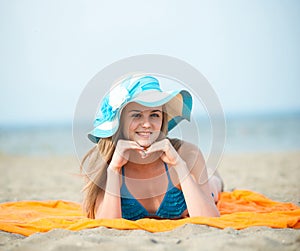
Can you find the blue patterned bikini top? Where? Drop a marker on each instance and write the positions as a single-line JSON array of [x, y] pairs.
[[172, 206]]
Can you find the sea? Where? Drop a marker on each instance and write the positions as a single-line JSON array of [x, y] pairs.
[[243, 134]]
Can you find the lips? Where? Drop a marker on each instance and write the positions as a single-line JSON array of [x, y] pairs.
[[144, 134]]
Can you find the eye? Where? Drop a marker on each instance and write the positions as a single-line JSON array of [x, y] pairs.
[[155, 115], [136, 115]]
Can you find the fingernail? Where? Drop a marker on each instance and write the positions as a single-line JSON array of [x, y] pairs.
[[143, 154]]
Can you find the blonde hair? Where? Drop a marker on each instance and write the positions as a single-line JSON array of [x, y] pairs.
[[99, 158]]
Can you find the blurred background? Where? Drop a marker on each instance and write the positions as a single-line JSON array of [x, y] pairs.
[[248, 50]]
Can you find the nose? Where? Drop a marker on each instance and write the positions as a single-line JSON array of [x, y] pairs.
[[145, 122]]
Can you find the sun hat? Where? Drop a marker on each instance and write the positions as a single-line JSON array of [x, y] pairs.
[[144, 90]]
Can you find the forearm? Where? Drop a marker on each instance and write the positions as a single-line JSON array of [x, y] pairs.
[[110, 207], [198, 198]]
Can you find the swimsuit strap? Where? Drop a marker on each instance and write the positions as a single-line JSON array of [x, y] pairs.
[[170, 183], [123, 175], [166, 167]]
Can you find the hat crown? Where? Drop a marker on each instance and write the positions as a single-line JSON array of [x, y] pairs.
[[136, 85], [121, 94]]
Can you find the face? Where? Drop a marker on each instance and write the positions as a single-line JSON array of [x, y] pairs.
[[141, 124]]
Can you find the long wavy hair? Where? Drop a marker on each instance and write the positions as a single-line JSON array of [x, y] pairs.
[[94, 165]]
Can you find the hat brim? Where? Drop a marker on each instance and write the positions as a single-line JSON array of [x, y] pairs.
[[178, 105]]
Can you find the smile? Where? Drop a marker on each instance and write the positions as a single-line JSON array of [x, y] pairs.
[[144, 134]]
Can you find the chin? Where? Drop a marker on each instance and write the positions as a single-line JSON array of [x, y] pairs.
[[145, 143]]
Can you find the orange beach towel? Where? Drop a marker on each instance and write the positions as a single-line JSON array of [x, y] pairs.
[[239, 209]]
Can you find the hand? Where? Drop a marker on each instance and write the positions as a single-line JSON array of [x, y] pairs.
[[169, 154], [122, 153]]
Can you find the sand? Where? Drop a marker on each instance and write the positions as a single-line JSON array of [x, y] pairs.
[[41, 178]]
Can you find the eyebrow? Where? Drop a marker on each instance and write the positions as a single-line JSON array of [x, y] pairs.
[[141, 111]]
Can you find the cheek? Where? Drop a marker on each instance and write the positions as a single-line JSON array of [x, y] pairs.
[[129, 128], [125, 130], [157, 125]]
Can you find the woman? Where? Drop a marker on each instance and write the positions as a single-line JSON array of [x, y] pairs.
[[135, 170]]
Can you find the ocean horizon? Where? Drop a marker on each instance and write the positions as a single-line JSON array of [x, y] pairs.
[[244, 134]]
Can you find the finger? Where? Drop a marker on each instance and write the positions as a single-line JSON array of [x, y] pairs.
[[143, 154], [134, 145], [127, 144], [157, 146]]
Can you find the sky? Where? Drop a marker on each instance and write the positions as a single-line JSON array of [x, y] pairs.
[[50, 49]]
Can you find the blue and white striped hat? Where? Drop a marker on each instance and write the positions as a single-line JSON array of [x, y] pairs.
[[142, 90]]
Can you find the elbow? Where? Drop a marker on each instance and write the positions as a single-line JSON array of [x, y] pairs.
[[209, 213], [108, 214], [216, 214]]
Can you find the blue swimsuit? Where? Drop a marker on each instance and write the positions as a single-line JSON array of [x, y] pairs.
[[172, 206]]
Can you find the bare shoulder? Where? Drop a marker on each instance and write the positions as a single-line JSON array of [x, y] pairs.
[[188, 149], [192, 155]]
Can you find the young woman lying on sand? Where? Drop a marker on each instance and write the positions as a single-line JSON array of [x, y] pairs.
[[134, 170]]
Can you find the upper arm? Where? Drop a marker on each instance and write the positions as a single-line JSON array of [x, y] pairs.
[[98, 203], [195, 161]]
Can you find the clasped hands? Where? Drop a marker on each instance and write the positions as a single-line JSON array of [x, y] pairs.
[[167, 153]]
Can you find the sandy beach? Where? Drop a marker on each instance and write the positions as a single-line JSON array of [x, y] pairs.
[[275, 175]]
